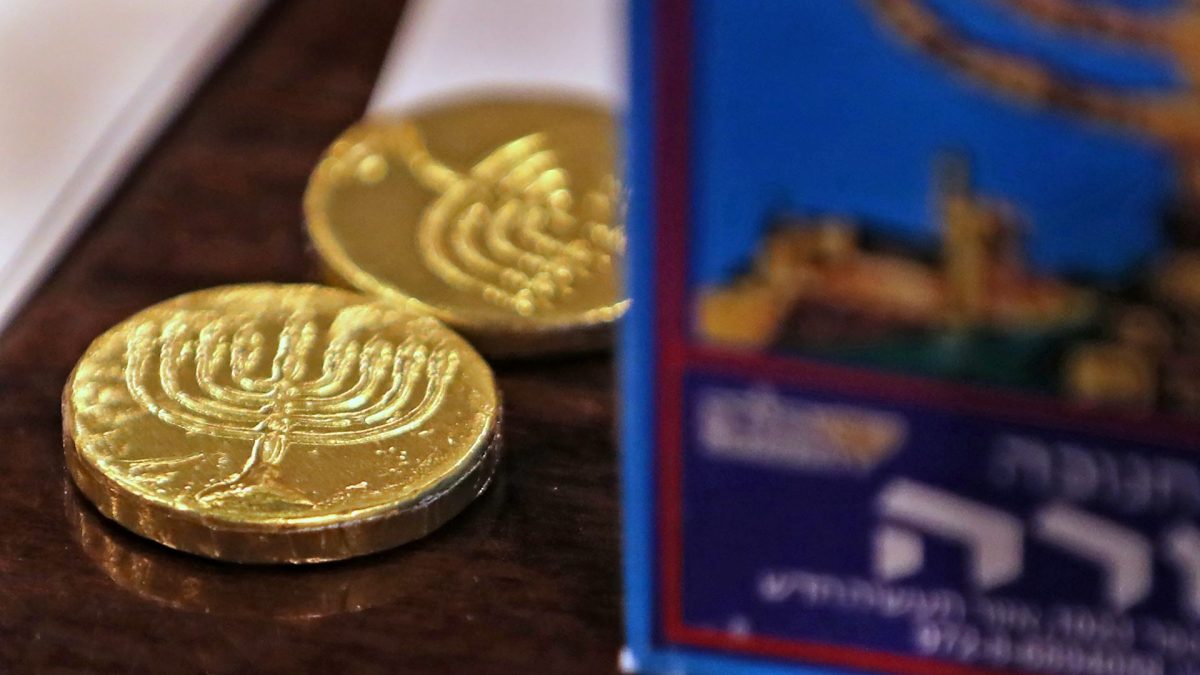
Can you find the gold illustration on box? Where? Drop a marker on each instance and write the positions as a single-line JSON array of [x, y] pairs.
[[506, 229], [1170, 117], [363, 392]]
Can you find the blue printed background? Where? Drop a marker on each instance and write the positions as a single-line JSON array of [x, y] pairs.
[[848, 120]]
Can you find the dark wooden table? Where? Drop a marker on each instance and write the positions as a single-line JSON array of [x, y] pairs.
[[527, 580]]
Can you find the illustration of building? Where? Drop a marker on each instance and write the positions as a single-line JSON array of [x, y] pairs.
[[814, 273]]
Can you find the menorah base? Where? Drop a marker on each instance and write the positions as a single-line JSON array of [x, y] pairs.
[[266, 493]]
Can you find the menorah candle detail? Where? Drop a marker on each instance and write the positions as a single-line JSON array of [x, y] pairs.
[[510, 229], [220, 377]]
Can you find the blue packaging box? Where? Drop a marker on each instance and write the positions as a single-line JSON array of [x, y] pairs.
[[911, 378]]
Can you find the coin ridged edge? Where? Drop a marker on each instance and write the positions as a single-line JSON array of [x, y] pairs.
[[392, 525], [503, 342]]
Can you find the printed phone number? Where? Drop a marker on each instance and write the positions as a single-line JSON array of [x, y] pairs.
[[968, 644]]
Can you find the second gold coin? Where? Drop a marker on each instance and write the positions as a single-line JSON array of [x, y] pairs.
[[502, 218]]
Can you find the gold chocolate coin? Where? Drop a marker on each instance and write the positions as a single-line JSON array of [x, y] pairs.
[[502, 218], [280, 423]]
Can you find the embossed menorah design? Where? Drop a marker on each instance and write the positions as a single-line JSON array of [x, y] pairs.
[[215, 379], [507, 229]]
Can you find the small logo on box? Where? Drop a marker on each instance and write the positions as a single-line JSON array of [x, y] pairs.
[[760, 426]]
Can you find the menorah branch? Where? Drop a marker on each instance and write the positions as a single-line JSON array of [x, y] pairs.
[[206, 382]]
